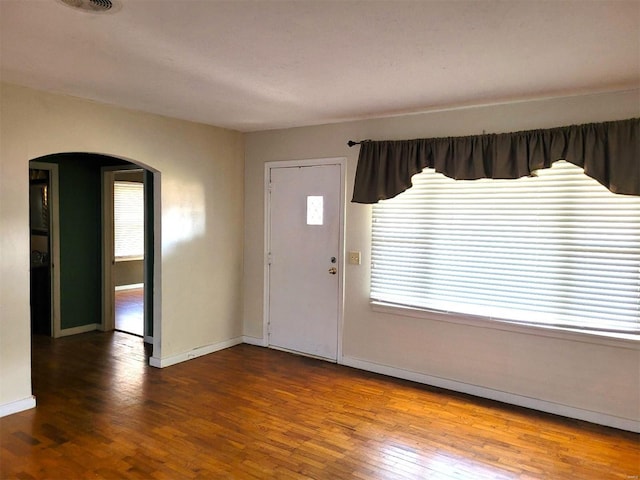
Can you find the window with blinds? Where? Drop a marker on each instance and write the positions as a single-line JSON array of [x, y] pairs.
[[128, 212], [557, 249]]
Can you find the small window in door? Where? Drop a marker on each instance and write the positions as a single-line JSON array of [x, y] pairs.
[[315, 210]]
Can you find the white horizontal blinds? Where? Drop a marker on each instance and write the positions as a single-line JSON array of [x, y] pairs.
[[128, 200], [558, 249]]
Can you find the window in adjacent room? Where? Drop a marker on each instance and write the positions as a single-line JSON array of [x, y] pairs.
[[558, 249], [128, 220]]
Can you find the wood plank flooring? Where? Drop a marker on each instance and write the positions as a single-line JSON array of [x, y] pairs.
[[253, 413], [129, 311]]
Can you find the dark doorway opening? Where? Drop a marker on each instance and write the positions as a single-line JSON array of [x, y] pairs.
[[40, 248]]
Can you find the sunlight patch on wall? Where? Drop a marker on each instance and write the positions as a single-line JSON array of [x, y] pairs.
[[184, 214]]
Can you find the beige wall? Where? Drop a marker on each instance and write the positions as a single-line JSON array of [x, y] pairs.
[[201, 188], [128, 272], [569, 374]]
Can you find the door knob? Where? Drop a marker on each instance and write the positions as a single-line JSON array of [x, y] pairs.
[[333, 270]]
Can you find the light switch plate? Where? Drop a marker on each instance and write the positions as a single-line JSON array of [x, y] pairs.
[[354, 258]]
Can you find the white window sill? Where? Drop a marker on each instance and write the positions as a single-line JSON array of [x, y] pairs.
[[619, 340], [128, 259]]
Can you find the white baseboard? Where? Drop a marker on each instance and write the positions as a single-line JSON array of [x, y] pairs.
[[132, 286], [81, 329], [478, 391], [191, 354], [260, 342], [17, 406]]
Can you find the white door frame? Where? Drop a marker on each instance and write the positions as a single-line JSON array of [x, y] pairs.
[[54, 242], [108, 296], [342, 162], [108, 255]]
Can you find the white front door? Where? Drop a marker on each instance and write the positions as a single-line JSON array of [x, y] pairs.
[[305, 259]]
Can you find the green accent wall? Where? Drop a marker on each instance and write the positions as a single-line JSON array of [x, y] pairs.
[[80, 241]]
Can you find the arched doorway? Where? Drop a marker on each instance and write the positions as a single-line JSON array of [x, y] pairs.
[[76, 231]]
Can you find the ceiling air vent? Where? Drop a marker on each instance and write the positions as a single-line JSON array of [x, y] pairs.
[[93, 6]]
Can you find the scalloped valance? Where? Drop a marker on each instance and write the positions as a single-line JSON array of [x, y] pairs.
[[609, 152]]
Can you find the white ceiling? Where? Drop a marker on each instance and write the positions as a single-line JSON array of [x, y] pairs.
[[255, 65]]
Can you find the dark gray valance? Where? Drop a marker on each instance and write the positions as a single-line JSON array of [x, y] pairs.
[[609, 152]]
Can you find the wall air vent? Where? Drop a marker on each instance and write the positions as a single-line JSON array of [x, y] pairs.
[[93, 6]]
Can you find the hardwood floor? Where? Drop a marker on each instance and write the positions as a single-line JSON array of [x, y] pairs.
[[250, 412], [129, 311]]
